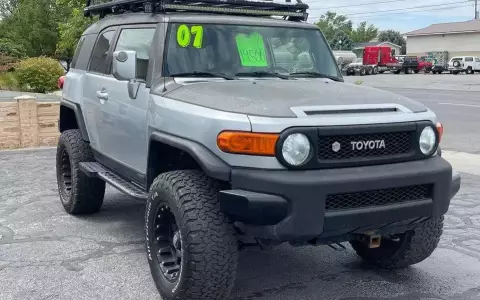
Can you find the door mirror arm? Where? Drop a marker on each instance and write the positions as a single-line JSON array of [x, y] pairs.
[[133, 86]]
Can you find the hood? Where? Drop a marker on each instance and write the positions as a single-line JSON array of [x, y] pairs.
[[276, 98]]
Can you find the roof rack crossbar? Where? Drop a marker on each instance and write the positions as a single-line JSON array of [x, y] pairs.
[[293, 11]]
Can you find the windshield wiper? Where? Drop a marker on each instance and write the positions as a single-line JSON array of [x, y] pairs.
[[263, 74], [316, 74], [204, 73]]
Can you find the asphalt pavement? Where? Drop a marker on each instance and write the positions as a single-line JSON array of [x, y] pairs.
[[48, 254]]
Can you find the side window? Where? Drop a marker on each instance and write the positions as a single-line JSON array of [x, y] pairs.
[[477, 59], [468, 58], [139, 40], [98, 60], [77, 52]]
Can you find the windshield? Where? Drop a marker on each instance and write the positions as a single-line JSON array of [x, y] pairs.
[[256, 51]]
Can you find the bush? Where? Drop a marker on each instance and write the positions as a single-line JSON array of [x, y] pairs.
[[7, 63], [8, 82], [39, 74]]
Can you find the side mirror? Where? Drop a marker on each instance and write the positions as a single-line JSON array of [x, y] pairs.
[[124, 65]]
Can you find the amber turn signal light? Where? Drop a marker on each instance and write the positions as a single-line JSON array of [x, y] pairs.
[[440, 131], [249, 143]]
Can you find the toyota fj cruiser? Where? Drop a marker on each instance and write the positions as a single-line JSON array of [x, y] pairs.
[[237, 128]]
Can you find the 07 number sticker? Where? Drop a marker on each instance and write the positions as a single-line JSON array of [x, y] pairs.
[[185, 33]]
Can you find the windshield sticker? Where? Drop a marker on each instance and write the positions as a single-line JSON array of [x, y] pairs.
[[251, 50], [184, 36]]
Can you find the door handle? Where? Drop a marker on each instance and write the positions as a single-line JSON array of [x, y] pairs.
[[102, 95]]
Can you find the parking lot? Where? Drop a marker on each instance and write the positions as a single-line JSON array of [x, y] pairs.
[[47, 254]]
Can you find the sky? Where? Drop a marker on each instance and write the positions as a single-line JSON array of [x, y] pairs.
[[400, 15]]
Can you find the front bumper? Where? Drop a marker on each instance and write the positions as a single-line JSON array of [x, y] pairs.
[[291, 205]]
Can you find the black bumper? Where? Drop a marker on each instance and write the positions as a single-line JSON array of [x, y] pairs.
[[291, 205]]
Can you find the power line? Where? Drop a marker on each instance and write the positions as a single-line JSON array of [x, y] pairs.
[[403, 9], [359, 4], [397, 13]]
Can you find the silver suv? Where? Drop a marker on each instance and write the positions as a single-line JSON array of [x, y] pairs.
[[237, 129]]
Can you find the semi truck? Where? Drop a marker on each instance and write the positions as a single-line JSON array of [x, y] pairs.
[[375, 60]]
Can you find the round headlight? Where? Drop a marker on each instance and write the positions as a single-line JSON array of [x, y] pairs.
[[427, 140], [296, 149]]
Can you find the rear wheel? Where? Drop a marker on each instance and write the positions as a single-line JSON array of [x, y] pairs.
[[406, 249], [79, 193], [369, 71], [469, 70], [191, 245]]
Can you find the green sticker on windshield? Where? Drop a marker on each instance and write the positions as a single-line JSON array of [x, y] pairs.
[[251, 50], [184, 36]]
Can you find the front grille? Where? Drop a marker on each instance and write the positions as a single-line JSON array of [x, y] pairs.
[[378, 197], [338, 147]]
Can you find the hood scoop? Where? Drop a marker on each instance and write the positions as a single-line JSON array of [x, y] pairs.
[[335, 110]]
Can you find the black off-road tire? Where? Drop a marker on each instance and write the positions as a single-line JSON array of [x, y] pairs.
[[209, 245], [469, 71], [413, 247], [79, 193]]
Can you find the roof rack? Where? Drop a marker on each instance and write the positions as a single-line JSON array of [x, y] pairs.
[[293, 11]]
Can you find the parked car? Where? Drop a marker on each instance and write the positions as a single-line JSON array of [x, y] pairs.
[[405, 64], [191, 113], [467, 64]]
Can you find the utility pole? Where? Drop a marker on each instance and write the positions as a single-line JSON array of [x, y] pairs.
[[476, 10]]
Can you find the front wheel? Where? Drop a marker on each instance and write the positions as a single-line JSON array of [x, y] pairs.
[[406, 249], [191, 245]]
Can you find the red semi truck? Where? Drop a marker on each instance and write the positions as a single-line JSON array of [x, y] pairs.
[[375, 60]]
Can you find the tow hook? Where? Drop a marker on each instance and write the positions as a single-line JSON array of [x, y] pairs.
[[371, 240]]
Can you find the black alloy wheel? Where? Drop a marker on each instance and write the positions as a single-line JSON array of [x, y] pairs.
[[65, 176], [168, 244]]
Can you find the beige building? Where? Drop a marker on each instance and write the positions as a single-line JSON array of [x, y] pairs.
[[458, 39]]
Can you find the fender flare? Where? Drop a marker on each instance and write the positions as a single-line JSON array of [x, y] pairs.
[[75, 107], [211, 164]]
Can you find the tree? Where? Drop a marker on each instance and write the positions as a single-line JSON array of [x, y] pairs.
[[9, 48], [341, 41], [7, 7], [71, 28], [394, 37], [364, 33], [331, 23], [33, 24]]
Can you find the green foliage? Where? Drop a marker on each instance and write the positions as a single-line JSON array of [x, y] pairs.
[[39, 74], [341, 41], [358, 82], [330, 23], [8, 81], [9, 48], [70, 32], [337, 28], [394, 37], [71, 28], [364, 33], [33, 24]]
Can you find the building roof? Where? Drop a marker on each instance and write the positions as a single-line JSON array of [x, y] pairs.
[[363, 45], [447, 28]]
